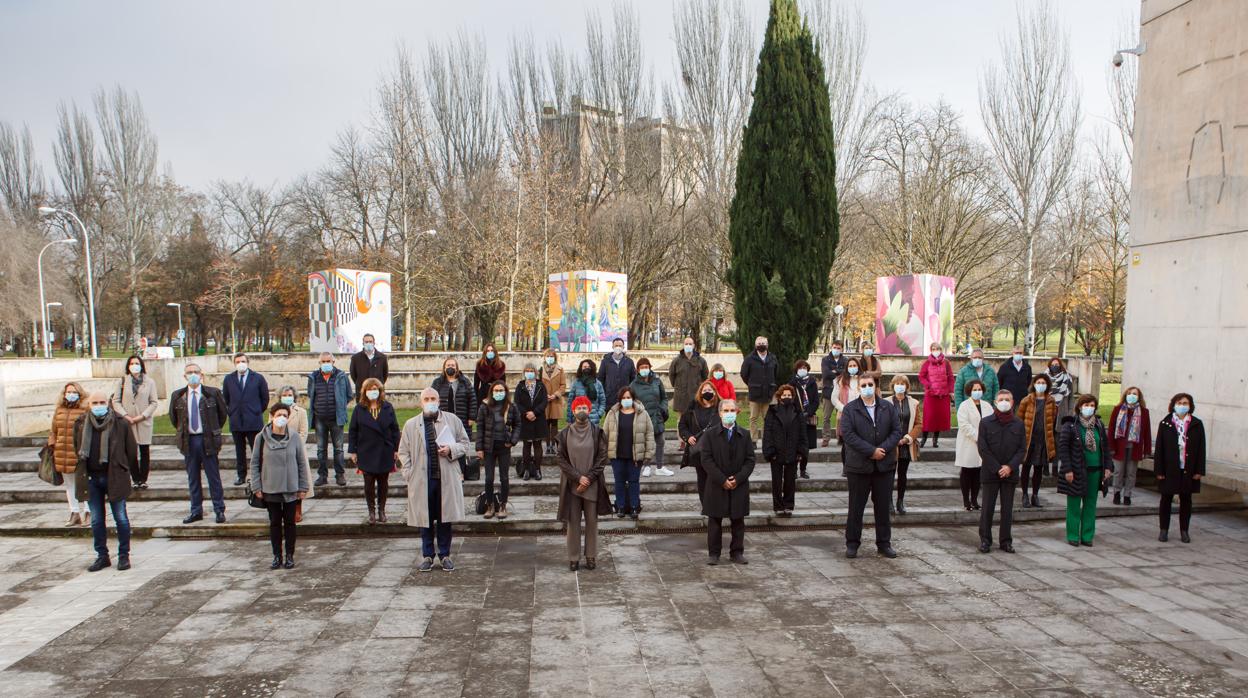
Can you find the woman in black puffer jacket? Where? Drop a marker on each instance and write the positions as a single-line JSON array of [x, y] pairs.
[[1083, 448], [784, 444]]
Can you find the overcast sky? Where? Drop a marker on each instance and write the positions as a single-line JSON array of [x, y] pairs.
[[258, 88]]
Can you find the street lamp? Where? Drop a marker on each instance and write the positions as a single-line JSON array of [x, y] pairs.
[[43, 307], [181, 334], [86, 248], [47, 316], [840, 311]]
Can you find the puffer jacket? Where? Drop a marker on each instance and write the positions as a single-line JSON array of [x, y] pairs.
[[1027, 414], [1070, 451], [936, 375], [651, 394], [784, 434], [462, 402], [486, 435], [643, 434], [64, 455]]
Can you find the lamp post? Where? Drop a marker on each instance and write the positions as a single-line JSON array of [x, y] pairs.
[[181, 334], [43, 307], [840, 311], [47, 319], [86, 248]]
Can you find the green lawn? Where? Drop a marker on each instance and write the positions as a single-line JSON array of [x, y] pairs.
[[1003, 340]]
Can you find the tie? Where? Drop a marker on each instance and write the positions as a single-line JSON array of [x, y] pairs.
[[194, 411], [242, 384], [730, 430]]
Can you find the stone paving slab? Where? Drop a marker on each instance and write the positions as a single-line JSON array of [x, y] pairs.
[[1129, 617]]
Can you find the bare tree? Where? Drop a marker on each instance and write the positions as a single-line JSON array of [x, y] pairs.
[[22, 187], [232, 293], [252, 215]]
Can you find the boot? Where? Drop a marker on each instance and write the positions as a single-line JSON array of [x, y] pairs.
[[901, 506], [372, 513], [1026, 502], [923, 441], [537, 472], [502, 511], [489, 510], [936, 440], [1035, 501], [1117, 498], [381, 508]]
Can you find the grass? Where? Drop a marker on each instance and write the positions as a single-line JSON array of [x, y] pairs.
[[1003, 340]]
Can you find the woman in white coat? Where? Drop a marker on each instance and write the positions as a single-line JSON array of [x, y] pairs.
[[966, 454], [287, 395], [136, 401], [431, 445]]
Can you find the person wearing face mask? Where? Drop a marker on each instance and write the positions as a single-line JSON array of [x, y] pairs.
[[556, 384], [630, 445], [758, 372], [430, 449], [1038, 413], [106, 451], [372, 445], [297, 425], [936, 375], [280, 478], [871, 430], [367, 363], [1015, 375], [136, 402], [197, 413], [686, 373], [1082, 448], [723, 384], [616, 371], [329, 391], [457, 396], [975, 369], [490, 369], [807, 397], [582, 456], [650, 394], [973, 411], [728, 457], [703, 415], [586, 385], [869, 363], [1061, 387], [845, 391], [246, 400], [498, 429], [831, 368], [910, 415], [69, 408], [1130, 441], [530, 398], [1179, 462], [784, 444], [1001, 443]]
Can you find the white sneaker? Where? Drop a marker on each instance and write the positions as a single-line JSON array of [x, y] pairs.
[[664, 472], [645, 472]]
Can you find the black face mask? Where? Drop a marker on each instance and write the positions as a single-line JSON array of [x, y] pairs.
[[450, 372], [586, 373], [761, 347], [786, 400], [708, 396], [581, 417]]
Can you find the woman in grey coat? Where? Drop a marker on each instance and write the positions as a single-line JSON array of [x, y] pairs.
[[279, 477]]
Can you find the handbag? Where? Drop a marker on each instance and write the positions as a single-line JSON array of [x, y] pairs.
[[470, 466], [253, 500], [47, 467], [482, 502]]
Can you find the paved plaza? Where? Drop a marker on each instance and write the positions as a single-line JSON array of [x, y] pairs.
[[1130, 617]]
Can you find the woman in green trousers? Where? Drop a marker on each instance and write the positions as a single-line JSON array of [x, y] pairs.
[[1086, 466]]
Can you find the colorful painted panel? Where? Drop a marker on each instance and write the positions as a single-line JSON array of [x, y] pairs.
[[913, 311], [346, 304], [588, 309]]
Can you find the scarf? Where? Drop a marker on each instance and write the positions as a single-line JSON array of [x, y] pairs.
[[591, 392], [136, 382], [1180, 427], [582, 443], [1090, 444], [102, 424], [1128, 425], [1005, 417]]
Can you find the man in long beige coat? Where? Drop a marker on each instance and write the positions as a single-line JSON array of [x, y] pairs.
[[429, 450]]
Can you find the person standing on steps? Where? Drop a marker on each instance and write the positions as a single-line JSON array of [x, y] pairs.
[[693, 422], [1015, 375], [758, 372], [556, 384], [329, 391], [1061, 388], [616, 371], [975, 369], [784, 445], [686, 373], [1038, 413], [106, 451], [530, 398], [136, 402], [586, 385], [297, 424], [808, 402], [871, 431], [966, 451], [279, 475], [1002, 444], [430, 448], [498, 429], [630, 445], [723, 384], [367, 363], [197, 413], [831, 368], [582, 455], [1130, 440], [489, 370], [648, 391], [870, 363], [246, 400], [457, 396], [936, 375], [1082, 449], [910, 415], [727, 453], [845, 391], [373, 444], [71, 406], [1179, 462]]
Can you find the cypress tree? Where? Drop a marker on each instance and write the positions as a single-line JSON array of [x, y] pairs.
[[783, 222]]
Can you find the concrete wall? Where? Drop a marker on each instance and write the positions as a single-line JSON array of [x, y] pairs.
[[1187, 297]]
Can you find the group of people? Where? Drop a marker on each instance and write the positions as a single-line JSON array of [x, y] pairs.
[[1013, 428]]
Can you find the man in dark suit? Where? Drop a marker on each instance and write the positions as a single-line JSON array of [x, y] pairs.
[[616, 371], [246, 400], [197, 412], [1002, 445], [871, 429], [1015, 376], [727, 454], [368, 363]]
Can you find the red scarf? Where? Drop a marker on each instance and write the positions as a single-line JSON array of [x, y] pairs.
[[1004, 417]]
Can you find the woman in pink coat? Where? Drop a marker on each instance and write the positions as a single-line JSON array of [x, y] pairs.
[[936, 375]]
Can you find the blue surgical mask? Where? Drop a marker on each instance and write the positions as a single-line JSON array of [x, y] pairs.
[[643, 372], [868, 352], [626, 403], [1182, 410], [550, 361], [99, 410], [688, 348], [327, 367], [1132, 398], [1042, 388], [1087, 411], [853, 370], [1018, 358], [499, 397], [836, 352], [728, 418], [529, 375], [288, 400], [193, 379], [977, 394], [368, 346], [719, 375], [868, 391], [900, 389], [489, 355], [71, 397], [977, 363], [802, 373]]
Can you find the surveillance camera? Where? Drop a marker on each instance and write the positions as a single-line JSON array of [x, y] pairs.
[[1117, 59]]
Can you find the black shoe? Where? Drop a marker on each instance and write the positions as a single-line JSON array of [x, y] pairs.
[[968, 507], [634, 513], [290, 562], [1163, 536], [341, 480], [739, 559], [193, 518], [277, 562], [1008, 547], [888, 552], [99, 564], [1086, 543], [621, 513], [238, 482], [591, 563], [985, 547], [446, 564], [426, 565], [537, 474], [1126, 501], [1184, 537], [936, 442], [321, 481], [976, 506], [901, 507], [220, 518], [923, 442], [526, 477], [1026, 502], [851, 551], [712, 560], [1035, 501], [123, 563], [1118, 498], [804, 475], [574, 565], [1073, 543]]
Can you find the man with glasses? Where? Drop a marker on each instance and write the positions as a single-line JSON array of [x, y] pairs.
[[197, 412]]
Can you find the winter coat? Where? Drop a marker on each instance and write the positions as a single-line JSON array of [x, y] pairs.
[[692, 423], [840, 399], [967, 374], [1027, 414], [486, 437], [807, 395], [569, 478], [64, 455], [1166, 457], [724, 388], [279, 465], [297, 424], [784, 434], [830, 368], [966, 449], [643, 433], [862, 436], [245, 404], [722, 459], [485, 374], [759, 375], [536, 429], [686, 373], [1118, 447], [143, 403], [374, 440], [577, 389], [556, 383], [211, 416], [936, 376], [123, 452], [340, 384], [461, 402], [1000, 444], [614, 375], [913, 426], [414, 467], [652, 396], [1070, 453], [362, 368], [1015, 380]]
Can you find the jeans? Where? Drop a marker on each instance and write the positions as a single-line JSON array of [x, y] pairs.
[[281, 524], [715, 537], [325, 430], [1185, 510], [878, 487], [97, 493], [783, 484], [198, 461], [242, 441], [991, 489], [441, 530], [498, 456], [627, 484]]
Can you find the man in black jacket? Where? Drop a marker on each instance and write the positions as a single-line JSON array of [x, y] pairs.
[[106, 452], [1002, 445], [728, 457], [368, 363], [871, 429], [616, 371], [758, 372], [1015, 376], [197, 412], [831, 367]]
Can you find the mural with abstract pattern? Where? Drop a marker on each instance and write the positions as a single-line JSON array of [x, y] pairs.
[[588, 309], [346, 304], [912, 311]]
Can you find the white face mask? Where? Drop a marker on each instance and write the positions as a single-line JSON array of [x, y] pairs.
[[280, 422], [899, 389], [1004, 405], [719, 375], [802, 373], [618, 351], [430, 408], [241, 367], [135, 369], [372, 394]]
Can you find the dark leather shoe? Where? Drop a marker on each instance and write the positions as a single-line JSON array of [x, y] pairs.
[[739, 559], [238, 482], [341, 480], [290, 562], [1026, 503], [537, 474], [1008, 547], [1035, 501], [712, 560], [320, 482], [1184, 537], [804, 475], [99, 564], [193, 518], [1163, 536], [277, 562], [574, 565], [1117, 498], [123, 563], [1086, 544], [1126, 501], [220, 518], [901, 507], [985, 547], [888, 552], [1073, 543], [591, 563], [851, 552]]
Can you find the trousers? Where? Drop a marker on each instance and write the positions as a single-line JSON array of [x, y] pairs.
[[1185, 510], [878, 487], [1005, 488], [715, 536], [281, 524], [580, 507]]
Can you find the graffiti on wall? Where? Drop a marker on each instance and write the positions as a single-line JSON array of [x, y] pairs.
[[588, 309], [346, 304]]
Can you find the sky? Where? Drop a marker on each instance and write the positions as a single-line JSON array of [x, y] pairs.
[[258, 89]]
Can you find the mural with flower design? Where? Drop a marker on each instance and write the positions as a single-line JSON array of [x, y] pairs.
[[912, 311]]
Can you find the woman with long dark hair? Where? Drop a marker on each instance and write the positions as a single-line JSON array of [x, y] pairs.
[[373, 445], [1179, 462], [136, 402], [490, 368], [498, 429], [587, 385]]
